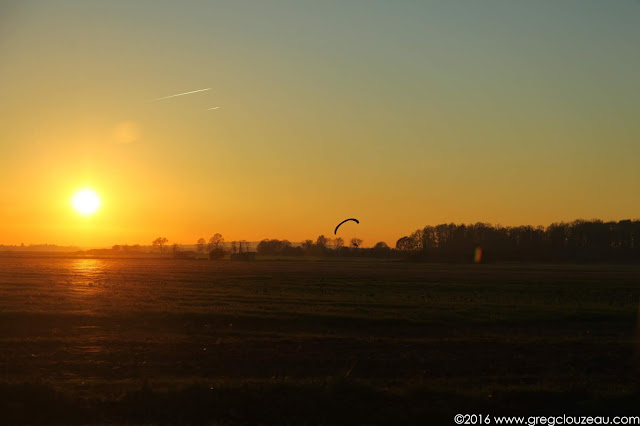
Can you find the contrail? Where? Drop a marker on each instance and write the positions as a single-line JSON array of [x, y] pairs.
[[209, 109], [181, 94]]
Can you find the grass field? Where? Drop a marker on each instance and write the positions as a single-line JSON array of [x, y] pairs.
[[312, 342]]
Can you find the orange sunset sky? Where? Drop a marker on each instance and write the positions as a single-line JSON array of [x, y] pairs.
[[401, 114]]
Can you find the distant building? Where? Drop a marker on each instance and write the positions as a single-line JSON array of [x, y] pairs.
[[216, 253], [247, 256], [184, 254]]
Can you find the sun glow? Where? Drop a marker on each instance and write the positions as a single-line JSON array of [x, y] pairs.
[[86, 202]]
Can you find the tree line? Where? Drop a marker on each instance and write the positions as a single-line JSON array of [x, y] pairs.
[[577, 241], [214, 247], [322, 246]]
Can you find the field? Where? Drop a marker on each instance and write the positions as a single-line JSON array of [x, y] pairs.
[[90, 340]]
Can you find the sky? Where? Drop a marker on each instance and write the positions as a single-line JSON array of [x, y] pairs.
[[401, 114]]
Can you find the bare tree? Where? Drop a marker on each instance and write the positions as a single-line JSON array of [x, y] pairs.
[[356, 242], [322, 242], [307, 245], [215, 242], [338, 243], [201, 244], [160, 242]]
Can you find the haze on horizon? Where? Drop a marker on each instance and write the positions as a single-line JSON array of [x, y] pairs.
[[399, 114]]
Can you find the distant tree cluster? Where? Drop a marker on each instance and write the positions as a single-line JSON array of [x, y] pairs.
[[215, 246], [323, 246], [278, 247], [578, 241]]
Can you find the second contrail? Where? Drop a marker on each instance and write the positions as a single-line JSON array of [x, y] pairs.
[[181, 94]]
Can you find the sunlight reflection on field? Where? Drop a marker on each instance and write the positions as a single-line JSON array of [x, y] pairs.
[[86, 265], [86, 274]]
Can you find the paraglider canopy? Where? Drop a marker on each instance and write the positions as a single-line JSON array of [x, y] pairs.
[[346, 220]]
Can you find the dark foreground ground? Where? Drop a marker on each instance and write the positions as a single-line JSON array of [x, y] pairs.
[[295, 342]]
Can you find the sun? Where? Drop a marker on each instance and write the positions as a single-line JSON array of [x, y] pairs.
[[86, 202]]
